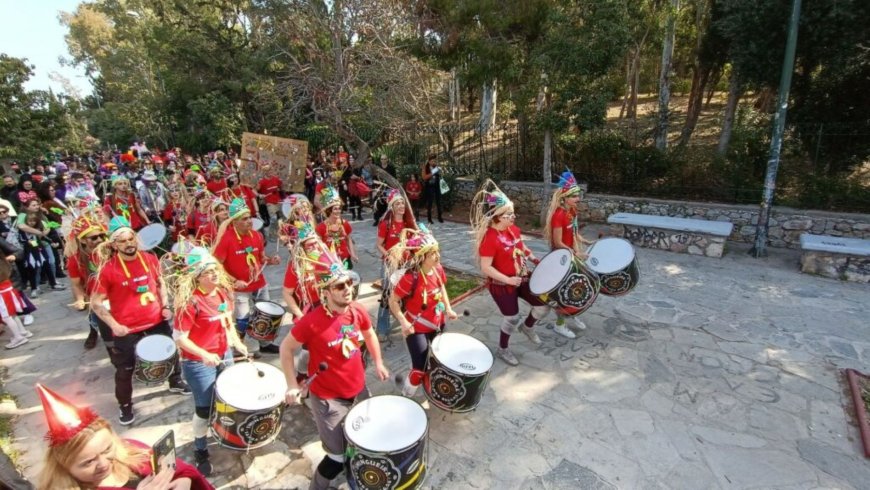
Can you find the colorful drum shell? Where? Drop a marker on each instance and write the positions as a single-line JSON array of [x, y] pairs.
[[156, 357], [248, 408], [615, 262], [265, 320], [386, 444], [562, 281], [457, 372]]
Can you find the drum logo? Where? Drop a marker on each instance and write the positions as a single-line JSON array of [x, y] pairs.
[[446, 388], [576, 291], [593, 260], [227, 421], [467, 366], [374, 473], [617, 283], [260, 427], [563, 260], [266, 396], [358, 422]]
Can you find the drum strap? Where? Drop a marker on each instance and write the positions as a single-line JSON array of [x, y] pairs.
[[426, 323]]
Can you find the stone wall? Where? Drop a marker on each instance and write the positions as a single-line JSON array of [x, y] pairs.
[[786, 224]]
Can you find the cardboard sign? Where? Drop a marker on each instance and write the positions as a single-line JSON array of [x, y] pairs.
[[284, 154]]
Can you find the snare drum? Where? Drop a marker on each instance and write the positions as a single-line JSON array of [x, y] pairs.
[[386, 443], [457, 372], [266, 320], [614, 261], [563, 282], [248, 407], [156, 357], [151, 236]]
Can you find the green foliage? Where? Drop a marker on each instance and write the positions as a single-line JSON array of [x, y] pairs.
[[458, 284]]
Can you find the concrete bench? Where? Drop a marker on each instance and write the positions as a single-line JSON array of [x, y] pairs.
[[837, 257], [686, 235]]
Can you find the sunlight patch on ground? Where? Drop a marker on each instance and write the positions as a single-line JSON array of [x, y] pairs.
[[673, 269], [519, 385]]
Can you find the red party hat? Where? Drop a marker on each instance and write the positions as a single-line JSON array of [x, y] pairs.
[[65, 420]]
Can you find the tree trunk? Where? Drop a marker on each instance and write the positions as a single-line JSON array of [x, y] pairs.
[[472, 99], [453, 95], [548, 177], [488, 106], [730, 111], [714, 81], [665, 77], [696, 97], [635, 86], [628, 79]]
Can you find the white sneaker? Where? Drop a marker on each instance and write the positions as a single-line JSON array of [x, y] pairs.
[[562, 330], [408, 390], [507, 356], [17, 342], [28, 320], [578, 324], [531, 334], [28, 334]]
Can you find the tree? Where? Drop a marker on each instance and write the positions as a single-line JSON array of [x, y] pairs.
[[665, 76]]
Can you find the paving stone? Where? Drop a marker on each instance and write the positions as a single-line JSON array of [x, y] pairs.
[[712, 435], [756, 468], [568, 475], [844, 466], [630, 423]]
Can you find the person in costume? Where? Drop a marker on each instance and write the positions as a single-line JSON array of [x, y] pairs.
[[152, 196], [299, 210], [216, 183], [12, 302], [563, 231], [199, 215], [270, 188], [174, 215], [88, 232], [335, 231], [419, 299], [302, 296], [502, 257], [122, 202], [397, 218], [85, 453], [242, 252], [132, 283], [334, 333], [204, 333], [236, 190], [220, 211]]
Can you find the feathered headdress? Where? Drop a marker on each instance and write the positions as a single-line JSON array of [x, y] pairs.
[[568, 184], [64, 419], [327, 195], [488, 203]]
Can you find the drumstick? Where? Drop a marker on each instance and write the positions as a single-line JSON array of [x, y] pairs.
[[320, 368]]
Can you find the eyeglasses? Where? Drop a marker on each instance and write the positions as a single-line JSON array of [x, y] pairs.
[[510, 215], [341, 286], [94, 238]]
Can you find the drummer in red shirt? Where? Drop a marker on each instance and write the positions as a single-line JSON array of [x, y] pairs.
[[235, 190], [204, 333], [502, 257], [130, 280], [563, 231], [206, 235], [335, 231], [270, 187], [122, 202], [333, 333], [397, 218], [242, 252], [88, 231], [216, 183], [302, 298], [424, 292]]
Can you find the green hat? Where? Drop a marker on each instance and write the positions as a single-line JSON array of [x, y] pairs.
[[118, 224], [238, 208]]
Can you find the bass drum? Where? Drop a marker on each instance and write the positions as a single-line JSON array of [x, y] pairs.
[[249, 404], [458, 372], [266, 320], [386, 444], [563, 282], [616, 264]]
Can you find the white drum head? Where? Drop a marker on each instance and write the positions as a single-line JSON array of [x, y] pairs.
[[155, 348], [151, 236], [257, 223], [270, 308], [550, 272], [385, 423], [462, 353], [242, 388], [609, 255], [285, 209]]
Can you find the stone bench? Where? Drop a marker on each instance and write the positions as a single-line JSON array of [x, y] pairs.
[[686, 235], [837, 257]]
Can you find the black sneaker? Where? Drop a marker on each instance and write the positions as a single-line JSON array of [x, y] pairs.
[[91, 341], [200, 459], [270, 349], [180, 387], [126, 416]]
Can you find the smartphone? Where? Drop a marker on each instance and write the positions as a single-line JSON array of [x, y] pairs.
[[163, 453]]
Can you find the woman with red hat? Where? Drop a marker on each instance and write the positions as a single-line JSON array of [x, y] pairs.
[[85, 453]]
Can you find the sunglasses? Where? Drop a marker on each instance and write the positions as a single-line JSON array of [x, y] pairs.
[[94, 238], [342, 286]]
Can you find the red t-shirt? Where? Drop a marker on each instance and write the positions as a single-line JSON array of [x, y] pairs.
[[338, 239], [127, 207], [216, 186], [270, 187], [197, 220], [391, 236], [291, 281], [172, 216], [87, 273], [242, 192], [204, 321], [431, 284], [124, 291], [500, 245], [335, 340], [206, 234], [232, 252], [414, 189], [564, 220]]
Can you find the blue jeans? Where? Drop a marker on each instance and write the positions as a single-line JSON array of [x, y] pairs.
[[201, 379]]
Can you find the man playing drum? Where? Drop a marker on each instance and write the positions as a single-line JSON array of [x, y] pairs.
[[502, 257], [563, 231], [421, 293], [88, 231], [204, 332], [333, 333], [243, 254], [130, 280]]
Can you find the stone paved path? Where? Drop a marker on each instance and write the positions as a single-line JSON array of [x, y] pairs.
[[712, 373]]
